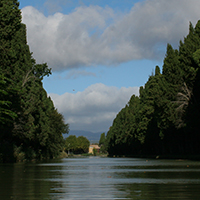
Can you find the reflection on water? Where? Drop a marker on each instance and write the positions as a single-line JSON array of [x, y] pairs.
[[98, 178]]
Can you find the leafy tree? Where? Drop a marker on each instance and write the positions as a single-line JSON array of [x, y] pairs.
[[82, 144], [102, 139], [71, 143], [171, 69], [35, 128], [6, 114], [94, 151], [183, 99], [165, 118], [122, 138], [102, 143], [186, 52], [77, 145]]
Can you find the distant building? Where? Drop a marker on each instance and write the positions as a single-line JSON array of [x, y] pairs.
[[94, 146]]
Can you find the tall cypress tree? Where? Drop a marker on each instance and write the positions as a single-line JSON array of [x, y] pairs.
[[186, 50], [10, 25], [171, 68], [32, 133]]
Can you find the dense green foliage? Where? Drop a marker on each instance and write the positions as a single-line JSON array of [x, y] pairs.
[[102, 143], [165, 118], [30, 126], [77, 145]]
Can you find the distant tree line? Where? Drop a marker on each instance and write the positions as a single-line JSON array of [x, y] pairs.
[[76, 145], [30, 126], [165, 118]]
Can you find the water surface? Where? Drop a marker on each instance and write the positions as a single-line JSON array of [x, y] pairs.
[[96, 178]]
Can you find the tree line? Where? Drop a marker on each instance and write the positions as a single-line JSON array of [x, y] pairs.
[[165, 118], [30, 125], [76, 145]]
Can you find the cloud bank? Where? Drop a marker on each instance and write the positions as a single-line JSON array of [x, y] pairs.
[[99, 36], [93, 109], [94, 35]]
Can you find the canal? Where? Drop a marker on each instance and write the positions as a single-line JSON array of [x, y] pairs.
[[98, 178]]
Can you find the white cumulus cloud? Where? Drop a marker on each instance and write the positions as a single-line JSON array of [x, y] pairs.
[[95, 108], [94, 35]]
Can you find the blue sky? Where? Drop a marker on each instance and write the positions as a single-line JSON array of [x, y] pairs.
[[102, 51]]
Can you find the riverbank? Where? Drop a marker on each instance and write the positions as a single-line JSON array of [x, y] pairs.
[[176, 157], [86, 155], [173, 157]]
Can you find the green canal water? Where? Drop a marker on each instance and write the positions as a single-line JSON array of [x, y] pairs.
[[96, 178]]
